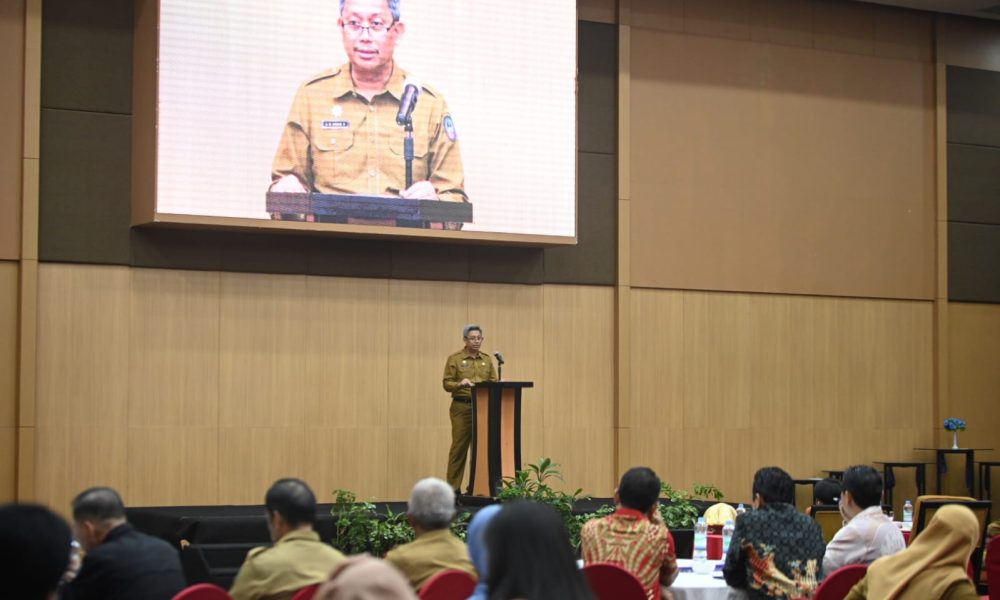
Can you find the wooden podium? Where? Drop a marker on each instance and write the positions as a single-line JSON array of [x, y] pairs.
[[496, 435]]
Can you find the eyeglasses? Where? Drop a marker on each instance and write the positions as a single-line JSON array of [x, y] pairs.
[[375, 29]]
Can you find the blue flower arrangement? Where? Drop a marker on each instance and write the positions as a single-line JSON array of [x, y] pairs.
[[953, 424]]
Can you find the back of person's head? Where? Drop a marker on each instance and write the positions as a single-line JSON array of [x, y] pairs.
[[865, 485], [826, 492], [530, 555], [293, 500], [432, 503], [34, 551], [774, 485], [639, 489], [98, 504], [362, 577]]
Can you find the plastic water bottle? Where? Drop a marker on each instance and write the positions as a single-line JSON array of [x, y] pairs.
[[727, 536], [740, 510], [700, 555], [907, 515]]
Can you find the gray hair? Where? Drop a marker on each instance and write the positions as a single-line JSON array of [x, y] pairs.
[[432, 503], [470, 328], [393, 8]]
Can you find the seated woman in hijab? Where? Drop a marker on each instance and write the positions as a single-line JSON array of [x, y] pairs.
[[476, 540], [933, 567], [365, 578]]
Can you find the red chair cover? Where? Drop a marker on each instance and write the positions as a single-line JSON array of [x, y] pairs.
[[451, 584], [611, 582], [203, 591], [992, 568], [306, 593], [839, 583]]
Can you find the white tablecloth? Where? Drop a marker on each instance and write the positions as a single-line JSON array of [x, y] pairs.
[[692, 586]]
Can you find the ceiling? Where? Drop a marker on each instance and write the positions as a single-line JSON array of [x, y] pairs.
[[984, 9]]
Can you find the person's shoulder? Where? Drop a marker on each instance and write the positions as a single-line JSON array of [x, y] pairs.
[[457, 355], [328, 77]]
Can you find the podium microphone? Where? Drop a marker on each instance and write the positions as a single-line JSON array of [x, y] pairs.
[[499, 358], [411, 90]]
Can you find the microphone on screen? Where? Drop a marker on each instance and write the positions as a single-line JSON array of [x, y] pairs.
[[499, 357], [411, 89]]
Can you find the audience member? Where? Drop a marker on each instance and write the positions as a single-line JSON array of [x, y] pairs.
[[867, 534], [634, 537], [297, 558], [120, 562], [776, 551], [365, 578], [826, 492], [34, 551], [530, 556], [476, 540], [430, 511], [933, 567]]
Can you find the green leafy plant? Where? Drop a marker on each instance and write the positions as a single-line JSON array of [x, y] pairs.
[[361, 529], [680, 511], [460, 526], [533, 484]]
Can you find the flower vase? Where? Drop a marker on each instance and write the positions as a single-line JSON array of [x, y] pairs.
[[954, 440]]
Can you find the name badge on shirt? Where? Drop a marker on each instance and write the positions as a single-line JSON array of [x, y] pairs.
[[336, 124]]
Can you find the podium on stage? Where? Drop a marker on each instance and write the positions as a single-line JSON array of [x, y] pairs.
[[496, 435]]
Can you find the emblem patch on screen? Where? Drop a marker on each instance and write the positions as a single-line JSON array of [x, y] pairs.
[[449, 128]]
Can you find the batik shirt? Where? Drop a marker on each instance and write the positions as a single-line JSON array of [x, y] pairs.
[[628, 539], [776, 552]]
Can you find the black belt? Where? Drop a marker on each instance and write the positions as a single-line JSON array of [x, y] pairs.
[[462, 400]]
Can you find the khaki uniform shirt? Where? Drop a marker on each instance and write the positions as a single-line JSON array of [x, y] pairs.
[[337, 142], [277, 572], [461, 365], [429, 554]]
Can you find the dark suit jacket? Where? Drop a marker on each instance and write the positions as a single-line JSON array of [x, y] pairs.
[[128, 565]]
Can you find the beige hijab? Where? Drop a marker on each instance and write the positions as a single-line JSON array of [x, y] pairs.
[[936, 560], [365, 578]]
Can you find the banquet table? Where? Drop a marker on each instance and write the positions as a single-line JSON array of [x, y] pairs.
[[692, 586]]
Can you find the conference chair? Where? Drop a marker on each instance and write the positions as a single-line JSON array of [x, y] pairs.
[[203, 591], [306, 593], [839, 583], [611, 582], [992, 568], [926, 506], [450, 584], [829, 519]]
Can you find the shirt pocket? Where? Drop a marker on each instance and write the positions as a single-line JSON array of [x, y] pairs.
[[421, 147], [336, 159]]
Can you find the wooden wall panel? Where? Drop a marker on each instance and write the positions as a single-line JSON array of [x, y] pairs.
[[8, 378], [578, 392], [771, 168], [974, 374], [83, 366], [726, 383], [11, 125]]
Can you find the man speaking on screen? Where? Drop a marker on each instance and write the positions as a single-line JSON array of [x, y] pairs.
[[342, 135]]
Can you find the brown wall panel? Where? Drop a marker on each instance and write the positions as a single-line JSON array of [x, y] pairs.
[[967, 42], [974, 374], [779, 169], [8, 378], [11, 125], [726, 383], [202, 387]]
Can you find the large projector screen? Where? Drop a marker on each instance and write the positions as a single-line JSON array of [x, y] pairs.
[[293, 115]]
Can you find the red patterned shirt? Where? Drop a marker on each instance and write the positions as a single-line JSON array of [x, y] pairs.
[[628, 539]]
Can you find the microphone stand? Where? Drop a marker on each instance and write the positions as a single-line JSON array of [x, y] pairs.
[[500, 372], [408, 151]]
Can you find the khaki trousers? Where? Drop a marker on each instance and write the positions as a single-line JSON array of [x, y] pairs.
[[461, 437]]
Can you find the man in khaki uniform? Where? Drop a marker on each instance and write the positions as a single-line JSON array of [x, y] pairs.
[[341, 135], [462, 370], [297, 559], [430, 511]]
